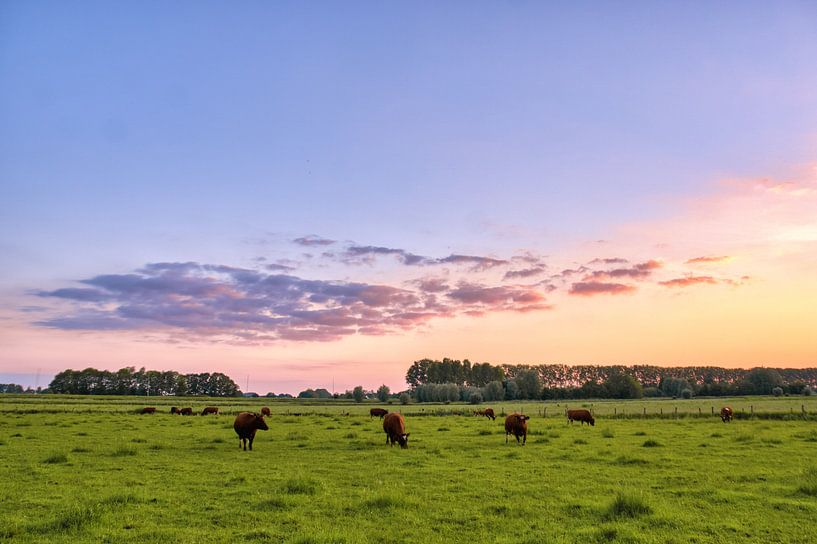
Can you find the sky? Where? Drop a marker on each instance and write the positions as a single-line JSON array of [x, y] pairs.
[[306, 194]]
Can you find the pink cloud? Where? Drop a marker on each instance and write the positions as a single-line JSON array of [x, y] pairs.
[[690, 280], [592, 288], [707, 260]]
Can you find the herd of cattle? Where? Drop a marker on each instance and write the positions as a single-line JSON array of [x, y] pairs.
[[247, 423]]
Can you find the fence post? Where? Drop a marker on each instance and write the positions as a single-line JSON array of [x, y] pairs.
[[713, 410], [662, 410], [803, 408], [645, 411], [699, 410], [676, 411], [614, 410], [752, 409]]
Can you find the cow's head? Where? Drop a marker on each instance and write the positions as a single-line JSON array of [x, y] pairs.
[[402, 439], [592, 421], [524, 418], [260, 423]]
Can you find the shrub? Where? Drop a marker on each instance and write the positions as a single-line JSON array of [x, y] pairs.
[[405, 398], [476, 398], [628, 505], [808, 391], [686, 394], [777, 391]]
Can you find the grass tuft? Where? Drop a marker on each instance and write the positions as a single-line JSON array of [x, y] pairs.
[[55, 459], [123, 451], [301, 486], [607, 433], [651, 444], [628, 505], [384, 502], [274, 503], [626, 460], [808, 485]]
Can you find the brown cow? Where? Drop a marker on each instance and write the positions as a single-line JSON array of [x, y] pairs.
[[210, 410], [175, 410], [395, 428], [726, 414], [581, 415], [148, 410], [379, 412], [517, 425], [186, 411], [265, 411], [488, 412], [246, 424]]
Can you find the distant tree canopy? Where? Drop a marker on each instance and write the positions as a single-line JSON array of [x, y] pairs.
[[427, 371], [511, 382], [129, 381], [11, 388]]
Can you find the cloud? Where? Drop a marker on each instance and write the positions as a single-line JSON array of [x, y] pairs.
[[279, 267], [707, 260], [195, 301], [313, 240], [612, 260], [636, 272], [592, 288], [689, 280], [477, 263], [365, 254], [524, 273]]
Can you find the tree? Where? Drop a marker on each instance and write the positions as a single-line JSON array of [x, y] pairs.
[[623, 386], [511, 390], [383, 393], [358, 393], [530, 386], [405, 398], [493, 391], [763, 380]]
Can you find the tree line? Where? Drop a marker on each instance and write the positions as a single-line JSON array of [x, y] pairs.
[[452, 380], [129, 381]]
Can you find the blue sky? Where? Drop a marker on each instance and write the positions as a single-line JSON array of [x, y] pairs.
[[217, 133]]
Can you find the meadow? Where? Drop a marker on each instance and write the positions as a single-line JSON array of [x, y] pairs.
[[89, 469]]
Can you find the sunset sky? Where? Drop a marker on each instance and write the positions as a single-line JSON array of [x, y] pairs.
[[294, 192]]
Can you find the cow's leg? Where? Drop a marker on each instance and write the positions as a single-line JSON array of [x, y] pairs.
[[250, 443], [524, 438]]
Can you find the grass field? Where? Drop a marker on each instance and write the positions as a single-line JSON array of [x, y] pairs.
[[84, 469]]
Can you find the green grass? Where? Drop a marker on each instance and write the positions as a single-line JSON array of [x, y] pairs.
[[97, 472]]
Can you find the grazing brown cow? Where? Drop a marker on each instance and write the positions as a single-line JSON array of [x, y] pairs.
[[210, 410], [488, 412], [581, 415], [148, 410], [175, 410], [395, 427], [264, 411], [726, 414], [186, 411], [379, 412], [517, 425], [246, 423]]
